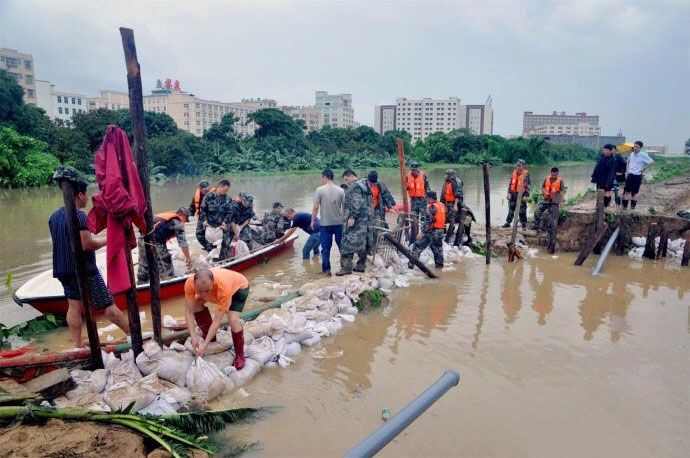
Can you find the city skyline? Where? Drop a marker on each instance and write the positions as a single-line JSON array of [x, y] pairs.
[[566, 57]]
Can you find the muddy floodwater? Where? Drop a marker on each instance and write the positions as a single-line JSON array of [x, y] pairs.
[[553, 361]]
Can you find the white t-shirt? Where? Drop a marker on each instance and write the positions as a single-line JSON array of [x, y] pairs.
[[638, 161]]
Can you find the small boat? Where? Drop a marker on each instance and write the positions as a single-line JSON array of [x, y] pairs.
[[45, 294]]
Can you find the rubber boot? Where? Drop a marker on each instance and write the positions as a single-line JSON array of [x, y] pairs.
[[361, 262], [238, 343], [345, 265]]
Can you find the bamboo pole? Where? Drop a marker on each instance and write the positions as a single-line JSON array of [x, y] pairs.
[[403, 175], [588, 246], [82, 275], [487, 212], [409, 255], [136, 109]]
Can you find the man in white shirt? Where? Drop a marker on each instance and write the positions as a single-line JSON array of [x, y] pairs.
[[329, 199], [638, 162]]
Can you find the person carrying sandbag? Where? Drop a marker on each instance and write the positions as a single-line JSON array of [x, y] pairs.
[[228, 290]]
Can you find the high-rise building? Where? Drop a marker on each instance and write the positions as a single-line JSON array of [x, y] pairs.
[[560, 123], [21, 67], [59, 104], [336, 109], [480, 118], [111, 100], [384, 118]]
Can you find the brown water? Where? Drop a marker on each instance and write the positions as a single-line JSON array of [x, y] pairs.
[[553, 361]]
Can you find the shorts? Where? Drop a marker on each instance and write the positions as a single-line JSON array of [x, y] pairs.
[[239, 299], [604, 188], [100, 294], [632, 184]]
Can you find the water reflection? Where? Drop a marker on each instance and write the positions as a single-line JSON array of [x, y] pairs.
[[511, 296]]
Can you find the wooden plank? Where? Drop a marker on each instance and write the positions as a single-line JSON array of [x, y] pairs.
[[588, 246], [136, 109], [487, 212], [650, 246], [686, 251], [51, 385], [662, 249], [624, 236], [409, 255]]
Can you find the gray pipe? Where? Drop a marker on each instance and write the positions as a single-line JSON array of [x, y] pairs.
[[605, 253], [386, 433]]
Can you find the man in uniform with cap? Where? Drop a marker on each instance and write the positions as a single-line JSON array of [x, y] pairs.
[[165, 226], [241, 217], [358, 213], [451, 196], [519, 180], [417, 187], [273, 225], [431, 234], [216, 211], [195, 209]]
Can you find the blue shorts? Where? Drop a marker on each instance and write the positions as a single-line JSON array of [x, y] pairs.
[[99, 291]]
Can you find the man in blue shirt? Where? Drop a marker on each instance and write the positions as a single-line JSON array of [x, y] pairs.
[[64, 268], [302, 220]]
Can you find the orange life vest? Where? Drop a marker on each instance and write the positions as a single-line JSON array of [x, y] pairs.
[[415, 186], [375, 192], [551, 187], [158, 229], [516, 179], [448, 194], [197, 200], [440, 220]]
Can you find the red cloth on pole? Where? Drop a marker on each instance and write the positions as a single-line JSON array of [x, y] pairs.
[[119, 203]]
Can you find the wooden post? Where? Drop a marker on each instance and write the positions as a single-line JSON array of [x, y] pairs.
[[588, 246], [82, 275], [599, 218], [136, 109], [487, 212], [512, 249], [662, 249], [409, 255], [624, 236], [650, 246], [403, 175], [686, 251]]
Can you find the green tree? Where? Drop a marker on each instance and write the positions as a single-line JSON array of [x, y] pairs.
[[92, 125], [11, 96], [223, 132], [24, 160]]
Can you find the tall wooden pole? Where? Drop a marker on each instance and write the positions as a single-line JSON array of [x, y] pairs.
[[82, 275], [136, 109], [487, 212], [403, 174]]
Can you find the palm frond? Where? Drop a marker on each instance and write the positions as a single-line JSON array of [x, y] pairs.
[[206, 422]]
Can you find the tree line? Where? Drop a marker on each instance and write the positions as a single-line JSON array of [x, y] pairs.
[[32, 145]]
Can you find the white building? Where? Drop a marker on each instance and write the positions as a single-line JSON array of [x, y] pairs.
[[59, 104], [110, 100], [384, 118], [310, 115], [21, 66], [560, 123], [480, 118], [336, 109]]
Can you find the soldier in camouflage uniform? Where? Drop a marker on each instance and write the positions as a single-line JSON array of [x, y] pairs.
[[273, 225], [382, 200], [195, 209], [216, 211], [165, 227], [242, 215], [358, 213], [432, 231], [451, 193]]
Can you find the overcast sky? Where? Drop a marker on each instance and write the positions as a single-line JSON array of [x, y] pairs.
[[629, 62]]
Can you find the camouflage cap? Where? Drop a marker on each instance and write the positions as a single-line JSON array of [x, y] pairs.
[[184, 211], [520, 162], [204, 184], [450, 172], [414, 164]]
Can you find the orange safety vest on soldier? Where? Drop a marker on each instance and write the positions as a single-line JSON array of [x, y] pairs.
[[415, 186], [440, 219], [159, 231], [551, 187], [197, 200], [448, 194], [516, 179], [375, 192]]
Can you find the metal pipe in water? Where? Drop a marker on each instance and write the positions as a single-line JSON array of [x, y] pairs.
[[605, 253]]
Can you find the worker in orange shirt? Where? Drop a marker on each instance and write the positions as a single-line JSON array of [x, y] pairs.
[[228, 291]]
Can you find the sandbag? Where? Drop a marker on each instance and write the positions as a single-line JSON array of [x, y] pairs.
[[88, 382], [221, 360], [169, 364], [313, 340], [157, 407], [206, 380], [222, 343], [248, 372], [260, 350], [213, 234], [122, 394], [123, 371], [293, 349], [241, 248], [296, 337]]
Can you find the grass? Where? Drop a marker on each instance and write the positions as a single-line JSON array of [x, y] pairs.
[[666, 168], [577, 198], [370, 298]]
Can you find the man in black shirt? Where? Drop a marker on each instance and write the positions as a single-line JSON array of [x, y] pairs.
[[64, 268], [604, 173]]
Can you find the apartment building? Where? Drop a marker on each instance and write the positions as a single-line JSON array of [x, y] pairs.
[[59, 104], [560, 123], [110, 100], [21, 67], [480, 118], [384, 118], [336, 109], [310, 115]]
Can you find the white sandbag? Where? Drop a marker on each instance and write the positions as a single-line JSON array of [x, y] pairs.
[[169, 364], [256, 329], [313, 340], [213, 234], [385, 283], [206, 380], [158, 407], [260, 350], [122, 394], [296, 337], [636, 253], [279, 346], [292, 349], [169, 321], [177, 396], [676, 245], [221, 360], [343, 303], [402, 281], [241, 248], [271, 364], [123, 371], [222, 343], [284, 361], [319, 315], [248, 372], [334, 326], [639, 241], [177, 346], [89, 381], [347, 317]]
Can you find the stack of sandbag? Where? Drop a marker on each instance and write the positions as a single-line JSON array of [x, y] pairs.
[[206, 381], [168, 364]]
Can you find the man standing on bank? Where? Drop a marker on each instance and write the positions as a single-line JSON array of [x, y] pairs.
[[329, 200], [519, 177], [65, 271], [195, 209], [228, 291], [638, 162], [604, 174], [358, 213], [431, 234]]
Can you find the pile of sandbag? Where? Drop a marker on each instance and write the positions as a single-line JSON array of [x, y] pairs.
[[675, 247]]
